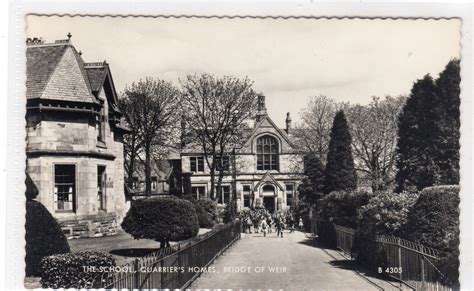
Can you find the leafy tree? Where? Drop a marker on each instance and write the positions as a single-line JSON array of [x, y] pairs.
[[313, 134], [374, 139], [163, 219], [428, 143], [339, 172], [312, 187], [151, 108], [216, 109]]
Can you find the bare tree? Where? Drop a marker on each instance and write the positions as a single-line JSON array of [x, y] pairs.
[[151, 107], [374, 138], [317, 118], [216, 110]]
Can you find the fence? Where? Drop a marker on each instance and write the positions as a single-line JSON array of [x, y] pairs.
[[411, 263], [344, 239], [175, 267]]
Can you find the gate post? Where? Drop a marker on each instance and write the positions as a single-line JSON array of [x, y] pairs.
[[136, 278]]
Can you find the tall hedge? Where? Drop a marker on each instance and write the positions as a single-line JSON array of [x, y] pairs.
[[339, 208], [434, 222], [44, 237], [206, 210], [385, 214], [163, 219]]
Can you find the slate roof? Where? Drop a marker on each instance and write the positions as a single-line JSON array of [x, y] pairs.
[[96, 75], [57, 72], [40, 64]]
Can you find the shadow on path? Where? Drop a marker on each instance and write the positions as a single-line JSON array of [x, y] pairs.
[[343, 262]]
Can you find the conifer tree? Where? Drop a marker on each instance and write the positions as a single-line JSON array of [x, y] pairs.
[[312, 187], [428, 133], [340, 173]]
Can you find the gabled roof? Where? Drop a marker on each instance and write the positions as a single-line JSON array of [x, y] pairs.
[[267, 119], [268, 179], [56, 72]]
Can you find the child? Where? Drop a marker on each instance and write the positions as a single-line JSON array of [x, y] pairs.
[[264, 227]]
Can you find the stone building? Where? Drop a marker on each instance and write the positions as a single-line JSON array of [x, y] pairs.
[[74, 139], [268, 167]]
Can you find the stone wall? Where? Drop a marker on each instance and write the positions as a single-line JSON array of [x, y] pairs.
[[101, 224]]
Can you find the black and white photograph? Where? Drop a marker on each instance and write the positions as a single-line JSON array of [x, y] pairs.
[[242, 153]]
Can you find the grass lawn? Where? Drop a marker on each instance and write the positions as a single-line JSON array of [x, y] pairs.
[[121, 242]]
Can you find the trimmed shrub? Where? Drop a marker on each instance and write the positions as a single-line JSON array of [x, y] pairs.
[[385, 214], [162, 219], [44, 237], [206, 211], [434, 222], [75, 270]]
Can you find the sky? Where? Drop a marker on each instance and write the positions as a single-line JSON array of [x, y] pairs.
[[289, 60]]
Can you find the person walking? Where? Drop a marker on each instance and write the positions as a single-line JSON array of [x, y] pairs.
[[264, 227], [248, 224], [279, 226]]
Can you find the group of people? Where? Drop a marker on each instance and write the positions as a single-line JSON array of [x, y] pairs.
[[263, 222]]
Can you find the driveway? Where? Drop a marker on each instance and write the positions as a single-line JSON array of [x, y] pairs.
[[289, 263]]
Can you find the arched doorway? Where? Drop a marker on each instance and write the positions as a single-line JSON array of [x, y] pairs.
[[268, 192]]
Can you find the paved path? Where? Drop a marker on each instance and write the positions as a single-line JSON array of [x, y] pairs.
[[289, 263]]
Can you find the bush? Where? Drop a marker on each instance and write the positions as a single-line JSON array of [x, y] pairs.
[[434, 222], [44, 237], [385, 214], [339, 208], [69, 270], [206, 211], [162, 219], [342, 207]]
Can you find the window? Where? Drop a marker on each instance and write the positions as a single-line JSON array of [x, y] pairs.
[[101, 119], [224, 196], [101, 179], [267, 153], [135, 183], [246, 194], [64, 187], [289, 194], [154, 183], [225, 164], [198, 191], [197, 164]]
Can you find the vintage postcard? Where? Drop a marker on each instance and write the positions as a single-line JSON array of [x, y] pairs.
[[174, 152]]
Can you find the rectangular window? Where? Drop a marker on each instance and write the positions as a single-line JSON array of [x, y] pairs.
[[289, 194], [196, 164], [154, 183], [246, 194], [225, 164], [101, 179], [135, 183], [198, 192], [224, 196], [101, 119], [64, 187]]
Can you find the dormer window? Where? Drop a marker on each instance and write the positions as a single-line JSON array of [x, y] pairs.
[[267, 153]]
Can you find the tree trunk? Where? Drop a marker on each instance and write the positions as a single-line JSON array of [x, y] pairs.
[[213, 183], [147, 171]]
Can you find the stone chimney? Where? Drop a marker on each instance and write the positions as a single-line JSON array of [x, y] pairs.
[[261, 109], [288, 122]]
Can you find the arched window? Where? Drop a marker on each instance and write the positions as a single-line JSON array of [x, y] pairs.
[[267, 153]]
